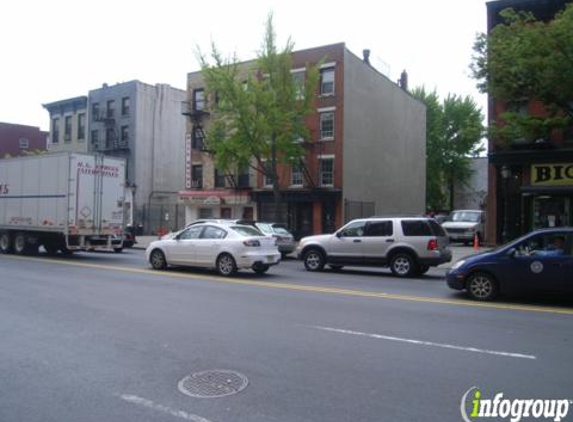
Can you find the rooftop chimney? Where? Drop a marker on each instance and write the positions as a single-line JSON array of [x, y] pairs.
[[403, 82], [366, 56]]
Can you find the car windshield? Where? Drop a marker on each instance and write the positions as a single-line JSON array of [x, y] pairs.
[[265, 228], [246, 230], [281, 230], [465, 216]]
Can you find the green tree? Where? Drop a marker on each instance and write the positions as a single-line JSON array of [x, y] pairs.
[[523, 59], [454, 131], [260, 111]]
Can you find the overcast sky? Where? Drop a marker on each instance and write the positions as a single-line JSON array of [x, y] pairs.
[[58, 49]]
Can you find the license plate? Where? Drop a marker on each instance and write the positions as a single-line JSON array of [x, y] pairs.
[[270, 258]]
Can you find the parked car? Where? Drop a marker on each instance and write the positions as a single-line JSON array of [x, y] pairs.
[[227, 248], [464, 225], [539, 261], [285, 240], [409, 246]]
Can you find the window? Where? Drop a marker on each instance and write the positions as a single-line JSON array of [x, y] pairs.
[[379, 228], [109, 138], [267, 176], [23, 143], [327, 172], [197, 138], [191, 233], [95, 137], [296, 174], [226, 213], [198, 100], [354, 229], [246, 231], [219, 178], [213, 233], [327, 81], [298, 80], [436, 228], [82, 126], [205, 212], [550, 244], [125, 106], [416, 228], [327, 125], [68, 128], [124, 134], [110, 109], [55, 130], [197, 176], [95, 111]]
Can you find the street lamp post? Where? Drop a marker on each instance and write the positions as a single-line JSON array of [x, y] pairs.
[[505, 175]]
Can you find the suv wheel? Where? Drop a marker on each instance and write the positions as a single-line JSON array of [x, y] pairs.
[[481, 286], [314, 260], [403, 265]]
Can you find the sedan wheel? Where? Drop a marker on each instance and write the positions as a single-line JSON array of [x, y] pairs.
[[313, 260], [403, 265], [226, 265], [482, 286], [157, 260]]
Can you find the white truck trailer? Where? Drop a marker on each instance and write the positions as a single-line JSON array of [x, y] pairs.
[[61, 201]]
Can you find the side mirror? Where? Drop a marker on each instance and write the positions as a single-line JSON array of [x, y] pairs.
[[339, 234], [512, 252]]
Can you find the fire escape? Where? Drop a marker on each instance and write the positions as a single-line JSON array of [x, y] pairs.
[[113, 140]]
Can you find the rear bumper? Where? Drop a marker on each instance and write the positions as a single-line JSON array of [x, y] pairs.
[[250, 259], [442, 258]]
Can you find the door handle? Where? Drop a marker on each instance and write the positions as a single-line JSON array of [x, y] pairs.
[[357, 240], [389, 240]]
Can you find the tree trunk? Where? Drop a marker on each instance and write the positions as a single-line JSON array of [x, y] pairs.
[[275, 176]]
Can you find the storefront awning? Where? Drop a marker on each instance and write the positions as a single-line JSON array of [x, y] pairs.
[[214, 197], [547, 190]]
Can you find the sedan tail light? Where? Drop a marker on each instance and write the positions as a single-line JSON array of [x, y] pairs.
[[433, 244], [252, 243]]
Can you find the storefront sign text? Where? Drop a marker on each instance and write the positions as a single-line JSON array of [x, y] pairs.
[[552, 174]]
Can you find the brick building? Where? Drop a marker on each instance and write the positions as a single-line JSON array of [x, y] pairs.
[[365, 154], [518, 199], [18, 139]]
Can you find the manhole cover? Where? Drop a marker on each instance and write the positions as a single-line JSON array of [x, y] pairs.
[[215, 383]]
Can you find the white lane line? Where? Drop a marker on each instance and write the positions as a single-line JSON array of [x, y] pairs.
[[426, 343], [140, 401]]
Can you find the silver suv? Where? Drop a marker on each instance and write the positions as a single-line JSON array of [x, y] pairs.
[[408, 245]]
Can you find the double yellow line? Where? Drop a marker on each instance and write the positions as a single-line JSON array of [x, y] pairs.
[[307, 288]]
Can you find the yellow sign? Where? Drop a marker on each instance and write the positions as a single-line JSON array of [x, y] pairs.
[[552, 174]]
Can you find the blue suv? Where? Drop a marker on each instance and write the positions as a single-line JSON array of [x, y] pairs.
[[539, 261]]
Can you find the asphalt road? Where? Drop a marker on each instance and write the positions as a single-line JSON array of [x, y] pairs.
[[102, 337]]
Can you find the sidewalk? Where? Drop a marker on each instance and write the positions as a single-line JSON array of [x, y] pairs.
[[458, 251]]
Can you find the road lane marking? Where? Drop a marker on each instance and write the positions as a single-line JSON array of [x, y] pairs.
[[304, 288], [426, 343], [140, 401]]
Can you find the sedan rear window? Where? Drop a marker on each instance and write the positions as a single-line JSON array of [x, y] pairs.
[[416, 228], [281, 230], [246, 231]]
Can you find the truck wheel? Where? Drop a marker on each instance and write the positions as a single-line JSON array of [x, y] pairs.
[[20, 244], [5, 243], [118, 250]]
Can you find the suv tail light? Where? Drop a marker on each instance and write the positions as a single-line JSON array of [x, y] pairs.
[[433, 244], [252, 243]]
